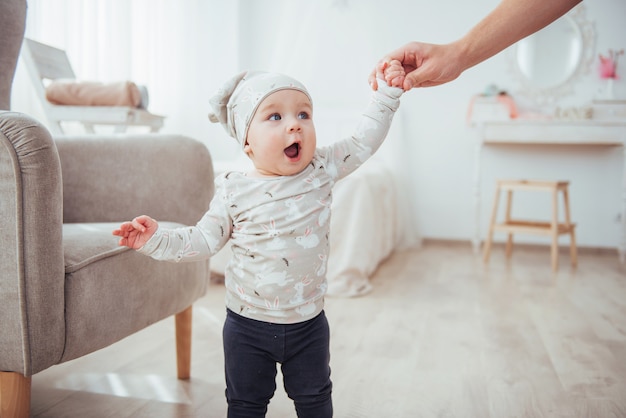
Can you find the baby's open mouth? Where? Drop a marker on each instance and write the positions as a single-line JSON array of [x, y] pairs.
[[292, 150]]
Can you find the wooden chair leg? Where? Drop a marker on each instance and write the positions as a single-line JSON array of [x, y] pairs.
[[183, 343], [492, 222], [555, 231], [509, 245], [572, 247], [507, 219], [568, 222], [14, 395]]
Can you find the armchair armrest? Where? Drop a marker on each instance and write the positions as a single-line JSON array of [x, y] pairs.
[[31, 266], [117, 177]]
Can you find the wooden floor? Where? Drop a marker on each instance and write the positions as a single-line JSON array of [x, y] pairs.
[[441, 335]]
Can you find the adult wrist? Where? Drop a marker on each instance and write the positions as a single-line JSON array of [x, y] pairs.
[[464, 53]]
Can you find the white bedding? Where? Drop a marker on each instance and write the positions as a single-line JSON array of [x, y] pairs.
[[363, 228]]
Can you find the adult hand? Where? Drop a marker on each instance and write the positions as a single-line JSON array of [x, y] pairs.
[[136, 233], [431, 65], [425, 65]]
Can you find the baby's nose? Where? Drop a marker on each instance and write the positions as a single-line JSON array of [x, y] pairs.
[[295, 126]]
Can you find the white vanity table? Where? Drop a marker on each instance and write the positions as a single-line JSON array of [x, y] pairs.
[[548, 132]]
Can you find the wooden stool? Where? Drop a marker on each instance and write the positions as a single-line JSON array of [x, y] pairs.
[[552, 228]]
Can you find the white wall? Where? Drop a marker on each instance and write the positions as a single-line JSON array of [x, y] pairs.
[[332, 46]]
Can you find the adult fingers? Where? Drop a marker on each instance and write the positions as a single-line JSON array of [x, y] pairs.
[[378, 73]]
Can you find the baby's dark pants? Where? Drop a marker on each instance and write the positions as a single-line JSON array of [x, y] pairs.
[[252, 349]]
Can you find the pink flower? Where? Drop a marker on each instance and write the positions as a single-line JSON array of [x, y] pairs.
[[608, 64]]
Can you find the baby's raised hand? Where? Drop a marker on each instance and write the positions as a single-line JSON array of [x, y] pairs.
[[394, 73], [136, 233]]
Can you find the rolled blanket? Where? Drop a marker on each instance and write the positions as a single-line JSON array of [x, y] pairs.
[[91, 93]]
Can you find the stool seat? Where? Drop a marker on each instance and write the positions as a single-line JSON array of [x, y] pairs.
[[552, 228], [540, 185], [533, 227]]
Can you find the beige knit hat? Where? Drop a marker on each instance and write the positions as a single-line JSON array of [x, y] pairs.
[[237, 100]]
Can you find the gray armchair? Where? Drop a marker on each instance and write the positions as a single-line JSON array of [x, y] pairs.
[[66, 288]]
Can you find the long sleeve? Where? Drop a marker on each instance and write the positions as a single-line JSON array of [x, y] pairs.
[[347, 155], [197, 242]]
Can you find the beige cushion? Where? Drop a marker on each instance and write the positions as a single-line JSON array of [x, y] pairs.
[[96, 316]]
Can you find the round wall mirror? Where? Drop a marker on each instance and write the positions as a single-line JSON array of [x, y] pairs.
[[547, 63]]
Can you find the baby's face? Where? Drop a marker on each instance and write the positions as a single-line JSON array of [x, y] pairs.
[[281, 137]]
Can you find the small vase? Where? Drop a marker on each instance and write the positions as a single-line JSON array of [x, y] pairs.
[[609, 89]]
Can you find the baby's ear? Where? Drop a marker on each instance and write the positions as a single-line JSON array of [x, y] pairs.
[[247, 149]]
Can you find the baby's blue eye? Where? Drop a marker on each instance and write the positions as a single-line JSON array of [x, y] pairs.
[[275, 116], [303, 115]]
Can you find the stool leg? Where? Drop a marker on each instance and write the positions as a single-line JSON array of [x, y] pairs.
[[509, 238], [572, 247], [555, 232], [492, 222], [570, 227]]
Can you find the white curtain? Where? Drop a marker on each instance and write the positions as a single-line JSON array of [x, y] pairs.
[[177, 49]]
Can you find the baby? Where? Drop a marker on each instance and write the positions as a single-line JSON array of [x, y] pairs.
[[276, 217]]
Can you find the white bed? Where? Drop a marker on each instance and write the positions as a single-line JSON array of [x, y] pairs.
[[364, 230]]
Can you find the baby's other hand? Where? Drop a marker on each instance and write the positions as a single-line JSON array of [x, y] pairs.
[[136, 233], [394, 73]]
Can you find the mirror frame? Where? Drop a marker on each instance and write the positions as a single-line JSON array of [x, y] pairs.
[[547, 95]]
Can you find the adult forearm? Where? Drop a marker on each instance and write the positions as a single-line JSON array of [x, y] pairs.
[[509, 22]]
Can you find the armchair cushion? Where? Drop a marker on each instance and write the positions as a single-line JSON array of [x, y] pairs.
[[109, 178], [104, 303]]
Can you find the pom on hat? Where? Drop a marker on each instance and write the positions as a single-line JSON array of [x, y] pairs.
[[236, 102]]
